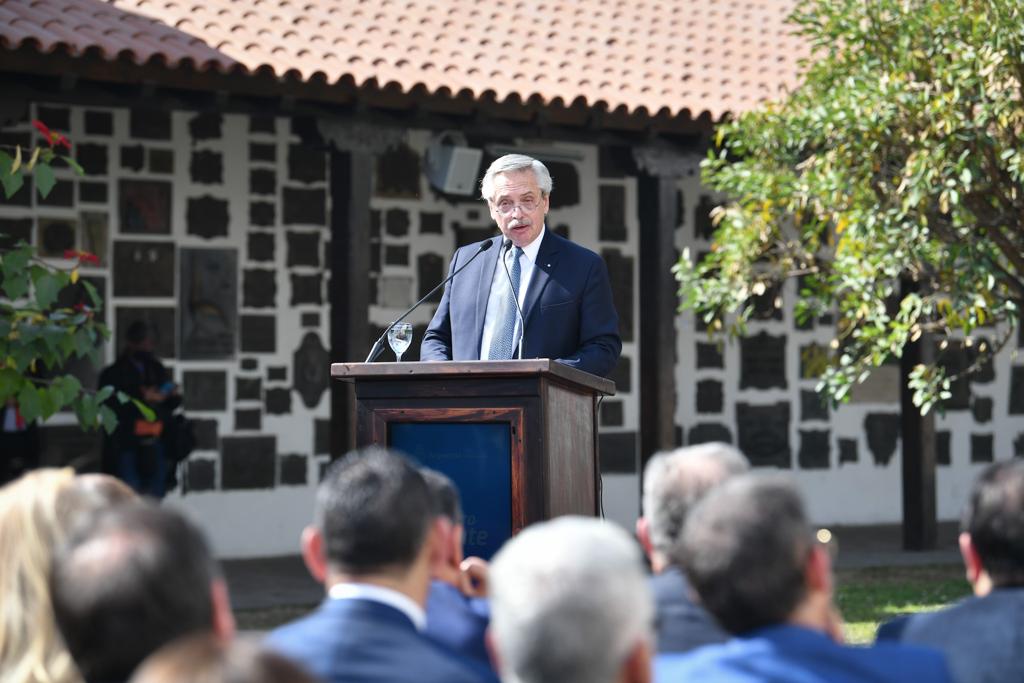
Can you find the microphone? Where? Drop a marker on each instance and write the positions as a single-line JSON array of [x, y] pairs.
[[378, 346], [505, 246]]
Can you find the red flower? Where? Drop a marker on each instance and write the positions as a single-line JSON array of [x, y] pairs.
[[79, 306], [44, 131], [86, 257], [70, 253], [63, 142]]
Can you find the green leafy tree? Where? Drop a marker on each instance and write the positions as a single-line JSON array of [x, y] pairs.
[[898, 158]]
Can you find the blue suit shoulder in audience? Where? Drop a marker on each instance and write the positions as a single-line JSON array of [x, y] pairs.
[[982, 638], [682, 624], [792, 654], [458, 622], [362, 641]]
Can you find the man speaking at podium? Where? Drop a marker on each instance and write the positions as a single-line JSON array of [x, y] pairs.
[[530, 279]]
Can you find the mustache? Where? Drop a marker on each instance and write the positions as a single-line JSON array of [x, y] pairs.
[[516, 223]]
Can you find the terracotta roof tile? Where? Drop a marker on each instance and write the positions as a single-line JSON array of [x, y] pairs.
[[673, 55]]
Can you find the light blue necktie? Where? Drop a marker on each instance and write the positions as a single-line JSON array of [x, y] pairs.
[[503, 341]]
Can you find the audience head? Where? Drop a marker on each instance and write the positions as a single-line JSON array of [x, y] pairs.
[[992, 538], [751, 556], [204, 658], [32, 524], [674, 481], [570, 603], [373, 516], [448, 558], [134, 578]]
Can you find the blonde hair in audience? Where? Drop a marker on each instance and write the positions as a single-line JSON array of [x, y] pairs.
[[31, 527]]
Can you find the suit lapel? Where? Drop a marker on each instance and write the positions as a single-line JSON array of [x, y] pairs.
[[547, 261], [488, 262]]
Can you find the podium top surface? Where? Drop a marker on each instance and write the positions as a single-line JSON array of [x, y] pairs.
[[473, 368]]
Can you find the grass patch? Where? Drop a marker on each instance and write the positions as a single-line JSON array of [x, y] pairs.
[[868, 597], [269, 618]]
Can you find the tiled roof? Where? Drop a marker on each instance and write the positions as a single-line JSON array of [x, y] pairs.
[[680, 57]]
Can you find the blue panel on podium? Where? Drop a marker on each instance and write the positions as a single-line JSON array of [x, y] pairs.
[[477, 457]]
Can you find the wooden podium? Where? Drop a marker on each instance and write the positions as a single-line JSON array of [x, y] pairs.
[[519, 438]]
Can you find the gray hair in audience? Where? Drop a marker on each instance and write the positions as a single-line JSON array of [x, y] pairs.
[[512, 163], [994, 517], [203, 658], [569, 601], [745, 549], [675, 481]]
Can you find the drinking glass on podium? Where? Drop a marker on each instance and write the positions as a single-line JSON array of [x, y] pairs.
[[399, 338]]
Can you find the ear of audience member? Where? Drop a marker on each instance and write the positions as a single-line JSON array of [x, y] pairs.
[[570, 603], [750, 553], [31, 526], [674, 482], [371, 544], [982, 635], [204, 658], [132, 579], [454, 619]]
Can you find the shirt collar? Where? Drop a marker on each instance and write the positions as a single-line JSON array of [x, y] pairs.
[[392, 598], [533, 247]]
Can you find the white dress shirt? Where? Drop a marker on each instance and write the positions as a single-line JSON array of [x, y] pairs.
[[386, 596], [500, 289]]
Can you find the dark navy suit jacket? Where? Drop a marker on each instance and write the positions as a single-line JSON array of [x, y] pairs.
[[362, 641], [682, 624], [982, 638], [791, 654], [458, 622], [568, 309]]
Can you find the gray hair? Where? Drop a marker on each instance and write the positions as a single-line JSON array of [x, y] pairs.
[[569, 601], [510, 163], [675, 481]]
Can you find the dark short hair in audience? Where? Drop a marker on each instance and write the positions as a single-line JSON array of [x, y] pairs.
[[446, 496], [373, 508], [137, 332], [745, 550], [994, 517], [130, 579]]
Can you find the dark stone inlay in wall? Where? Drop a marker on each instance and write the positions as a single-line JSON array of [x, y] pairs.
[[293, 469], [249, 364], [133, 157], [954, 359], [62, 194], [321, 437], [943, 454], [303, 249], [14, 229], [306, 164], [277, 373], [847, 450], [618, 452], [205, 126], [208, 297], [261, 214], [764, 433], [206, 435], [56, 118], [259, 123], [205, 390], [92, 158], [764, 304], [262, 181], [1018, 446], [986, 373], [207, 217], [815, 449], [144, 269], [982, 409], [1016, 406], [261, 246], [612, 414], [145, 206], [620, 273], [615, 161], [248, 462], [248, 419], [202, 474], [259, 151], [248, 388], [395, 255], [708, 432], [396, 222], [431, 222], [312, 365], [99, 122], [375, 224], [306, 289], [161, 161], [611, 213], [150, 124], [258, 334], [429, 271], [709, 396], [883, 433], [813, 406], [981, 448], [206, 167], [310, 320], [702, 224], [468, 234], [304, 207], [567, 184], [259, 288], [278, 401], [95, 193], [375, 249], [709, 355], [398, 172], [763, 361], [621, 375]]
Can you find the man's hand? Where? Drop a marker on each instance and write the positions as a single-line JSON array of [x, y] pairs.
[[473, 575]]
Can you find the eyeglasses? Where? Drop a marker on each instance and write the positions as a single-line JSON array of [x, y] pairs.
[[507, 206]]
